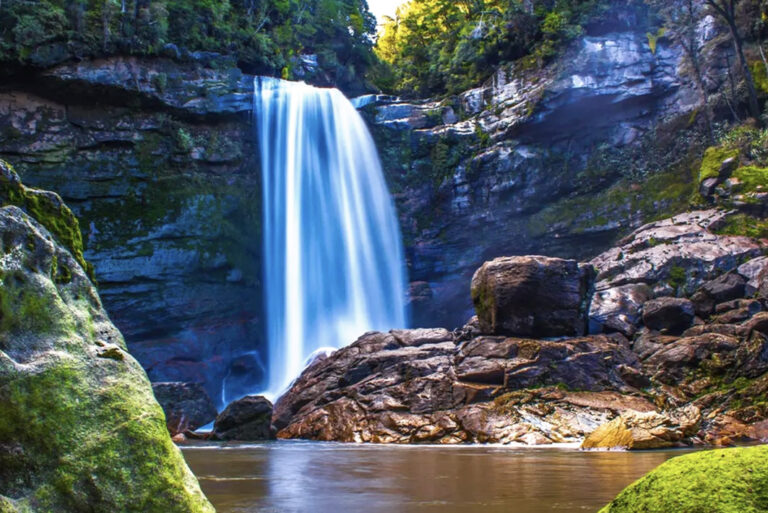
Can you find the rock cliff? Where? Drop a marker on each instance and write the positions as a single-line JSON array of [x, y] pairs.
[[156, 157], [556, 161]]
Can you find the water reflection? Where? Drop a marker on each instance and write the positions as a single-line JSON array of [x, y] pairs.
[[296, 477]]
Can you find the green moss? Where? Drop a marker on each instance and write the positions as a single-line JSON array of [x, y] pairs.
[[745, 225], [722, 481], [47, 209], [713, 159], [750, 179], [655, 197], [677, 277], [760, 76], [484, 301]]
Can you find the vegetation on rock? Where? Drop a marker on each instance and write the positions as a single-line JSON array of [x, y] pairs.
[[722, 481], [48, 209], [80, 427], [263, 36], [442, 46]]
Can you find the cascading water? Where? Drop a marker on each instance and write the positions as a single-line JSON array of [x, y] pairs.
[[333, 256]]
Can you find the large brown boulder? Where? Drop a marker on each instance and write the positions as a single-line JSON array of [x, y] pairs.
[[646, 430], [533, 296]]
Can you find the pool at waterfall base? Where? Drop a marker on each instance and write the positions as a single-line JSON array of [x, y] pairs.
[[318, 477]]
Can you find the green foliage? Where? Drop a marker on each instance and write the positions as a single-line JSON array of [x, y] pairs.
[[677, 277], [444, 46], [263, 35], [713, 158], [746, 225], [723, 481]]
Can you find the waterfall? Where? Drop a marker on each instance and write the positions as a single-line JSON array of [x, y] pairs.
[[333, 256]]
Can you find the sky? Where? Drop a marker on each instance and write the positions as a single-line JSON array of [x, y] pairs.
[[381, 8]]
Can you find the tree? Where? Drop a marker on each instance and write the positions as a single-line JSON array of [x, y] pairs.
[[726, 10], [681, 20]]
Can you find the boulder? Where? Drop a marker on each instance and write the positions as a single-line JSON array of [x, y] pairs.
[[668, 314], [187, 406], [720, 481], [532, 296], [725, 288], [80, 427], [246, 420], [646, 430], [618, 309], [675, 255], [755, 272]]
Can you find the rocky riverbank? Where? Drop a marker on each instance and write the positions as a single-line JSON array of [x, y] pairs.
[[660, 341]]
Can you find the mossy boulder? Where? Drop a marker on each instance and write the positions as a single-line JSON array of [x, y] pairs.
[[48, 209], [80, 429], [723, 481]]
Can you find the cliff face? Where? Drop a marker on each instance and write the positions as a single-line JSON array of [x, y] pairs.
[[157, 159], [80, 429], [558, 161]]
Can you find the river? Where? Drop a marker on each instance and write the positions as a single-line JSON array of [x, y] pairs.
[[313, 477]]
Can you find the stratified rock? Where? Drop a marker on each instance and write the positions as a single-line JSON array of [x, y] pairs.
[[722, 481], [618, 309], [247, 420], [668, 314], [646, 430], [187, 406], [680, 253], [218, 89], [418, 386], [80, 428], [532, 296]]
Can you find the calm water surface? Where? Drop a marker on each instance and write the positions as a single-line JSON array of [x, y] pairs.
[[311, 477]]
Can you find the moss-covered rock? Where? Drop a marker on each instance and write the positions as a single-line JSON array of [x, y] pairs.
[[48, 209], [724, 481], [713, 160], [80, 428]]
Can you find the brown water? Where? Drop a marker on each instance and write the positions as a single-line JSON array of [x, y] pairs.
[[304, 477]]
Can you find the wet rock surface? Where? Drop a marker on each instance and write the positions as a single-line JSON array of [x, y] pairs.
[[659, 375], [158, 163]]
